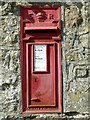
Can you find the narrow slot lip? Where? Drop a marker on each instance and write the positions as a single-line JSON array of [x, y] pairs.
[[41, 28]]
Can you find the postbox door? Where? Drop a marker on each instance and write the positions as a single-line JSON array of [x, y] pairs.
[[42, 76]]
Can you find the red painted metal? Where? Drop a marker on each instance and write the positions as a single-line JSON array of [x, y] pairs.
[[41, 90], [36, 20]]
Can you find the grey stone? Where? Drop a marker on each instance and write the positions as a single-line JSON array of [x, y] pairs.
[[81, 73], [75, 49]]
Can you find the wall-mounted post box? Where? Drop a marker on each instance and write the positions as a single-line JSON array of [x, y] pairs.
[[41, 59]]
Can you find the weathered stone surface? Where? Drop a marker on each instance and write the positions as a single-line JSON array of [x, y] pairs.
[[74, 18], [10, 30], [75, 66], [81, 73], [7, 8], [76, 52]]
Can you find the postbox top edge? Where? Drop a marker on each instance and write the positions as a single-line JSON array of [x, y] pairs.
[[35, 6], [26, 8]]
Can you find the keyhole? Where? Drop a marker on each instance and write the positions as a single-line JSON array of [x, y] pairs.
[[35, 80]]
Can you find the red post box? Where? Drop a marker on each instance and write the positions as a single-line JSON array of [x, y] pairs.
[[41, 59]]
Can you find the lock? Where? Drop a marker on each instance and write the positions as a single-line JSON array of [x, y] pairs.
[[41, 59]]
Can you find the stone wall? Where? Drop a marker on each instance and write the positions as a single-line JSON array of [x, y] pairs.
[[75, 62], [75, 58]]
